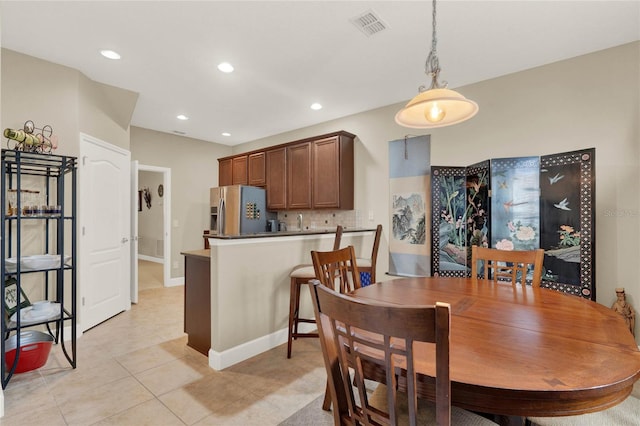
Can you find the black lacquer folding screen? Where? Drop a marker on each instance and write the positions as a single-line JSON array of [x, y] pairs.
[[519, 204]]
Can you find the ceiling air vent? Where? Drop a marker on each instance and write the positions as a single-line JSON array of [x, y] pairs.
[[369, 23]]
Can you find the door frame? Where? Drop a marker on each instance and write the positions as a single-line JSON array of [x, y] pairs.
[[166, 211]]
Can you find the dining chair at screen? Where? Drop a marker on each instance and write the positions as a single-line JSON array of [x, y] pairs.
[[337, 269], [507, 265]]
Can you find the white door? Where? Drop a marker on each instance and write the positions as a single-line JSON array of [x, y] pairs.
[[104, 217], [134, 232]]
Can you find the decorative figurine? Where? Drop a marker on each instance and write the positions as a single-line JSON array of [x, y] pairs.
[[625, 309]]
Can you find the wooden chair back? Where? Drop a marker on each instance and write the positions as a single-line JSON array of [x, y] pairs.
[[507, 265], [369, 265], [338, 238], [338, 265], [354, 332]]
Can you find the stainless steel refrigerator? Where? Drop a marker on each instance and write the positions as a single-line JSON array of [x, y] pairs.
[[238, 209]]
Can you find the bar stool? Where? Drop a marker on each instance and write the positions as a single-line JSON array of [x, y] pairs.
[[368, 266], [301, 274]]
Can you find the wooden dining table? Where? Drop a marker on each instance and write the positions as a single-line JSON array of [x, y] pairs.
[[521, 351]]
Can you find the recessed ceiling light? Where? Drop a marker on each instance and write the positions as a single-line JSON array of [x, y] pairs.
[[110, 54], [316, 106], [182, 117], [225, 67], [226, 134]]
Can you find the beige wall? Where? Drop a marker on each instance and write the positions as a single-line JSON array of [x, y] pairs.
[[194, 169], [65, 99], [44, 92], [584, 102]]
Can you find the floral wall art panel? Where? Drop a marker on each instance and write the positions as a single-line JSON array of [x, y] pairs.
[[449, 234], [567, 185], [515, 207], [409, 183], [460, 216], [478, 213]]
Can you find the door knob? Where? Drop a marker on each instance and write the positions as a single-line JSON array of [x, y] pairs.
[[124, 240]]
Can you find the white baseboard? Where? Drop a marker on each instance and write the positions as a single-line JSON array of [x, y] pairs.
[[221, 360], [151, 258], [174, 282]]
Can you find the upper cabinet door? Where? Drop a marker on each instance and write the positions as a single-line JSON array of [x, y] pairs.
[[257, 176], [239, 170], [326, 173], [276, 179], [333, 173], [299, 176], [225, 172]]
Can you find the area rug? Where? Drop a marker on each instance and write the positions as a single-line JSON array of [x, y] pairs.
[[311, 414]]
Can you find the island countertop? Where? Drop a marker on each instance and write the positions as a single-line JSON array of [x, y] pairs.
[[292, 233]]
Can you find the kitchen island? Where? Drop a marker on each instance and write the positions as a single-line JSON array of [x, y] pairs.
[[249, 287]]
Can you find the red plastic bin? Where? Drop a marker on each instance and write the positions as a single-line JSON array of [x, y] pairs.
[[34, 350]]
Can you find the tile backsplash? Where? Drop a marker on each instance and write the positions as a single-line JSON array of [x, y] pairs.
[[321, 219]]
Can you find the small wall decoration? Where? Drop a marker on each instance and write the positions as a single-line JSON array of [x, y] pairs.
[[11, 298], [147, 197], [160, 190]]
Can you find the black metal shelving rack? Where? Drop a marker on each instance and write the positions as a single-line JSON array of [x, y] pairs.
[[59, 174]]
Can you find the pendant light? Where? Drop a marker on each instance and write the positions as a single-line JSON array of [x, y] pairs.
[[436, 106]]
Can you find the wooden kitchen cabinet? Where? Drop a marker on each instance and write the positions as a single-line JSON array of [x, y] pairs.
[[225, 171], [239, 167], [311, 173], [333, 173], [276, 175], [197, 299], [299, 176], [257, 169]]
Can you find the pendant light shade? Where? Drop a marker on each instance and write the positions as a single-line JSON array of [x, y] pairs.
[[437, 106]]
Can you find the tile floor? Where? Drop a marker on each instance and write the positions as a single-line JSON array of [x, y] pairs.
[[150, 275], [135, 369]]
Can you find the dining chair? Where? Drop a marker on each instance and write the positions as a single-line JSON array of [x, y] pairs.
[[337, 265], [507, 265], [300, 275], [337, 269], [368, 265], [354, 333]]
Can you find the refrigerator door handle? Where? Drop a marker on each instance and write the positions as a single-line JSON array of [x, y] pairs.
[[221, 215]]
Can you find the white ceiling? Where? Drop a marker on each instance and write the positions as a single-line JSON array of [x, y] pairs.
[[289, 54]]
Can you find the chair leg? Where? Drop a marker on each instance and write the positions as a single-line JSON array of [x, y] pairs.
[[326, 404], [294, 300]]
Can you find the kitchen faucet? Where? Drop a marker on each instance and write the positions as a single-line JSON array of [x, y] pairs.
[[300, 221]]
